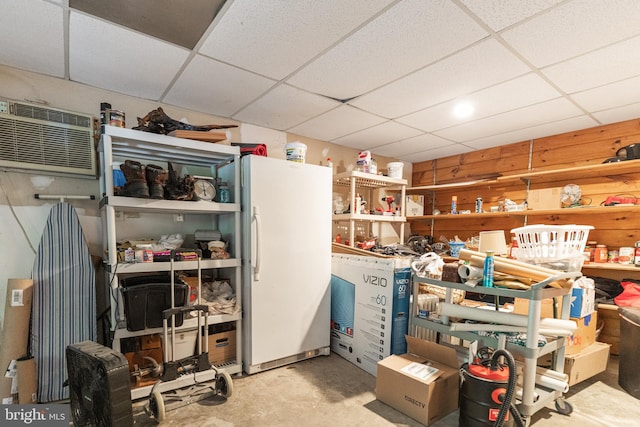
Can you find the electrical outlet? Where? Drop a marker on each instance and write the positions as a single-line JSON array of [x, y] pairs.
[[178, 218], [4, 107]]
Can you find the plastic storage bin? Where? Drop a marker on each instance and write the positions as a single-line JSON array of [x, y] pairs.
[[146, 297]]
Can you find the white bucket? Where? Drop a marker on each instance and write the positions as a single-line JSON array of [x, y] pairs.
[[394, 169], [295, 151]]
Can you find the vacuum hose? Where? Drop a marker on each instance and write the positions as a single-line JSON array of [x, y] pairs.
[[511, 389]]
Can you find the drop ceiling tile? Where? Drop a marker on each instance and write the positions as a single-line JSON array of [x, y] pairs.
[[276, 38], [550, 111], [546, 129], [499, 14], [627, 112], [610, 96], [284, 107], [338, 122], [406, 37], [517, 93], [597, 68], [411, 145], [574, 28], [114, 58], [437, 153], [215, 88], [383, 133], [33, 37], [482, 65]]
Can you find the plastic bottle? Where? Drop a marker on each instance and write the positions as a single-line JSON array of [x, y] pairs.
[[329, 163], [487, 273], [129, 255], [358, 204], [454, 205]]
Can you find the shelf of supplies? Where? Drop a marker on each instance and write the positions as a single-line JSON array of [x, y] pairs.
[[367, 180], [150, 267], [134, 204], [600, 170], [368, 217], [187, 324], [128, 143], [586, 210], [611, 266]]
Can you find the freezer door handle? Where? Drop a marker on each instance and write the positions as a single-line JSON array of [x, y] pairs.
[[257, 258]]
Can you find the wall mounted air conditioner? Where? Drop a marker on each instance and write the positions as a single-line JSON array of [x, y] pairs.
[[34, 138]]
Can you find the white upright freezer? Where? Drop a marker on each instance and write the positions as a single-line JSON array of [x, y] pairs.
[[286, 239]]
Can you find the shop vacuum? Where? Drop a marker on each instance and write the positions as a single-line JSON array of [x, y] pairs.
[[487, 391]]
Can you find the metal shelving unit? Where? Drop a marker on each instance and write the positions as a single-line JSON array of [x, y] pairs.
[[119, 144], [528, 405]]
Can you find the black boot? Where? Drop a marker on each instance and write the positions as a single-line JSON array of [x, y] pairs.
[[134, 173], [156, 180]]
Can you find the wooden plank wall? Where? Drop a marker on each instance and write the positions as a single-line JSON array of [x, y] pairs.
[[585, 147]]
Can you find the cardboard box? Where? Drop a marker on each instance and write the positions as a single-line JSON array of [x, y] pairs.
[[414, 205], [423, 383], [545, 198], [369, 308], [587, 363], [222, 347], [583, 301], [521, 306], [584, 336]]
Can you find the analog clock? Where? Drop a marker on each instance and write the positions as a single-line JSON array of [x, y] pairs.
[[204, 189]]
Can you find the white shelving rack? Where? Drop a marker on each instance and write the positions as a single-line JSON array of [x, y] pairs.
[[119, 144], [362, 181]]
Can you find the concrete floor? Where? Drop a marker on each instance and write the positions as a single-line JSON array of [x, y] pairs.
[[330, 391]]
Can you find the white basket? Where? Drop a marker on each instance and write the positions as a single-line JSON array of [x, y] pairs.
[[546, 243]]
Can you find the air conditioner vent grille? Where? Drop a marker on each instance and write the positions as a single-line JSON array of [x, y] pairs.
[[47, 114], [33, 144]]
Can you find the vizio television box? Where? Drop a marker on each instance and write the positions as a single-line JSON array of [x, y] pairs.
[[369, 308]]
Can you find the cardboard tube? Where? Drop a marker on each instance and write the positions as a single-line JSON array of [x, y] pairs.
[[489, 316], [552, 374], [552, 383], [467, 254]]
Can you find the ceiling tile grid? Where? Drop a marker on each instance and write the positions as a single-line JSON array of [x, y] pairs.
[[383, 75]]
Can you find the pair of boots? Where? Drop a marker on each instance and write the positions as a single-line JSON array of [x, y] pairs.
[[143, 181]]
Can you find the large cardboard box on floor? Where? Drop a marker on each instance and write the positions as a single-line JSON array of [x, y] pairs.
[[369, 308], [422, 383], [587, 363]]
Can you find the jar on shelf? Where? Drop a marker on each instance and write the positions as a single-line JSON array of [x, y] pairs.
[[601, 254]]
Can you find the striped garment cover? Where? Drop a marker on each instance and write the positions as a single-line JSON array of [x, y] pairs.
[[64, 300]]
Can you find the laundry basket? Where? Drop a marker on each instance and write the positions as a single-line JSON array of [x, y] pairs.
[[540, 244]]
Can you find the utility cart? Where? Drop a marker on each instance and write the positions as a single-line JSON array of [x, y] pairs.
[[533, 397]]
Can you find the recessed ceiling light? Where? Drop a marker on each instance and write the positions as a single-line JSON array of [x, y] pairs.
[[463, 110]]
